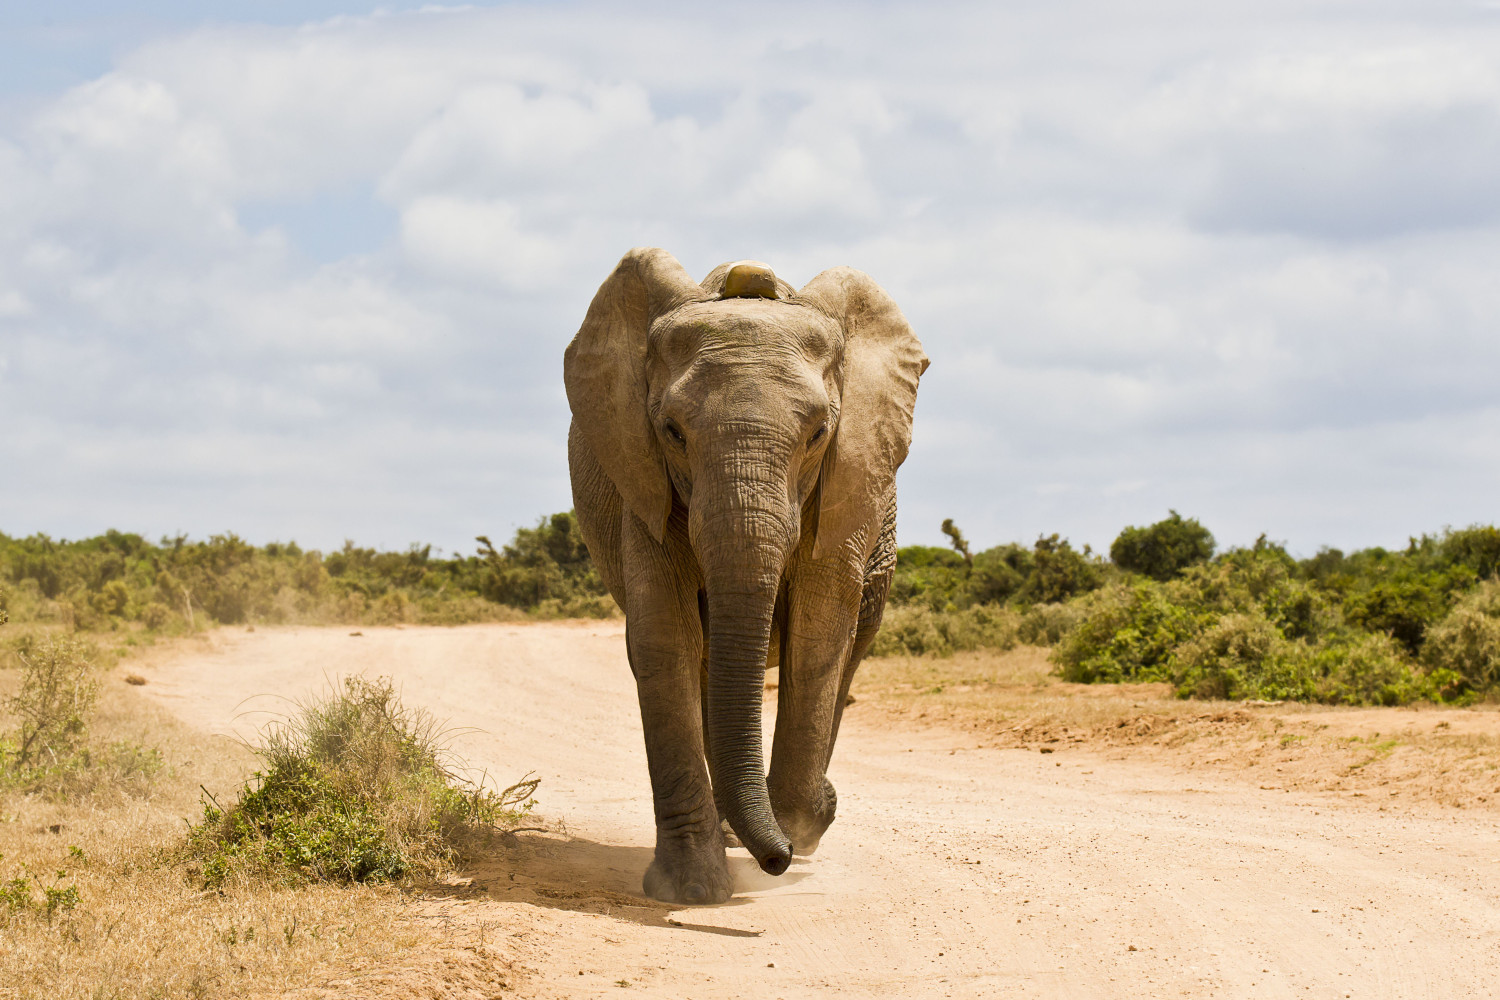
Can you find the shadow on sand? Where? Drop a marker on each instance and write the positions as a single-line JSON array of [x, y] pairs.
[[571, 873]]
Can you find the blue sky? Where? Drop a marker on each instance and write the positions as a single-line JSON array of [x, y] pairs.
[[306, 270]]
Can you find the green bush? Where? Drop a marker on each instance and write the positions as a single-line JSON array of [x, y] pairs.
[[1241, 656], [1402, 608], [1164, 549], [1058, 572], [930, 576], [1246, 656], [1374, 626], [1476, 547], [914, 630], [999, 574], [1249, 624], [1371, 670], [1128, 632], [27, 894], [1467, 641], [942, 579], [1049, 624], [356, 787], [545, 563]]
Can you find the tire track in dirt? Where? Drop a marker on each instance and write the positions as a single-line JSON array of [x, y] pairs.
[[952, 871]]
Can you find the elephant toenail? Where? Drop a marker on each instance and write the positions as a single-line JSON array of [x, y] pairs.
[[695, 893]]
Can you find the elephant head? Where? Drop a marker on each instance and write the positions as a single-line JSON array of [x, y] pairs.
[[770, 413]]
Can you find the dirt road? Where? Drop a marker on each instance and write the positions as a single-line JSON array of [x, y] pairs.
[[951, 871]]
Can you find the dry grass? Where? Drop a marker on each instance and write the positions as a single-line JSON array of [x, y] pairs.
[[142, 928], [1421, 754]]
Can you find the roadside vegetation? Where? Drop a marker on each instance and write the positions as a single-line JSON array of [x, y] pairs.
[[354, 787], [292, 876], [1389, 757], [1374, 627], [122, 583], [1164, 604]]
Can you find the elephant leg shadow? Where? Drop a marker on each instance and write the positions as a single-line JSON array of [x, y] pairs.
[[580, 875]]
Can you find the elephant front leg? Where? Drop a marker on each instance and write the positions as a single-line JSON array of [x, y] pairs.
[[664, 642], [823, 612]]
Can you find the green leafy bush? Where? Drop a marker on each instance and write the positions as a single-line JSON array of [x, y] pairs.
[[545, 563], [1240, 656], [1059, 572], [1372, 670], [27, 894], [1128, 632], [1245, 625], [1401, 608], [930, 576], [1476, 547], [914, 630], [999, 574], [1164, 549], [356, 787], [942, 579], [1466, 643], [1049, 624]]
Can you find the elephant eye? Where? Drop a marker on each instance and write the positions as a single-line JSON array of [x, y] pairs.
[[818, 435], [674, 433]]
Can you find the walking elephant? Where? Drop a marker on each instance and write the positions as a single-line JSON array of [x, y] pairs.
[[733, 454]]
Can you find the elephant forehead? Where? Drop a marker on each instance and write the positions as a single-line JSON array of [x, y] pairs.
[[705, 327]]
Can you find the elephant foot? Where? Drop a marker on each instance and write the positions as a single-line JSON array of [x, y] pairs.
[[689, 874], [731, 839], [805, 823]]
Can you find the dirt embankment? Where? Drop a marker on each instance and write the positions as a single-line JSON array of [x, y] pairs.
[[1142, 859], [1419, 756]]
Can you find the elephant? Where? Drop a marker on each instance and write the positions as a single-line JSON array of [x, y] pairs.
[[733, 454]]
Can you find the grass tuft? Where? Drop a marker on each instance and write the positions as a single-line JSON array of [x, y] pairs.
[[356, 787]]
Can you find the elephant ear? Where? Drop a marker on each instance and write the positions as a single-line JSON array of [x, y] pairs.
[[882, 362], [604, 370]]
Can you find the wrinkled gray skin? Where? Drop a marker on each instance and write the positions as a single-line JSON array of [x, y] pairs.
[[733, 464]]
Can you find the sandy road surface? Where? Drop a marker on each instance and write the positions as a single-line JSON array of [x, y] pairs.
[[951, 871]]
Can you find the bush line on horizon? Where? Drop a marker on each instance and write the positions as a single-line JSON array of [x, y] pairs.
[[118, 582], [1369, 627], [1375, 626]]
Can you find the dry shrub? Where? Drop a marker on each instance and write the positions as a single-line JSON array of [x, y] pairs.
[[356, 787], [49, 752]]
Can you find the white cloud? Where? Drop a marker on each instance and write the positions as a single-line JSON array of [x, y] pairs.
[[480, 240]]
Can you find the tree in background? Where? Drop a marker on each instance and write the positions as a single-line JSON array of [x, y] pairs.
[[957, 540], [1163, 550], [548, 562]]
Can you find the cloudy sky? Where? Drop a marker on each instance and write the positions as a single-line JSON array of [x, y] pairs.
[[305, 270]]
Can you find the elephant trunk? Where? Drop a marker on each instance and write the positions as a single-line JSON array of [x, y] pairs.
[[740, 606]]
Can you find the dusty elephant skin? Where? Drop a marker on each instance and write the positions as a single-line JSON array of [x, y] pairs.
[[733, 454]]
